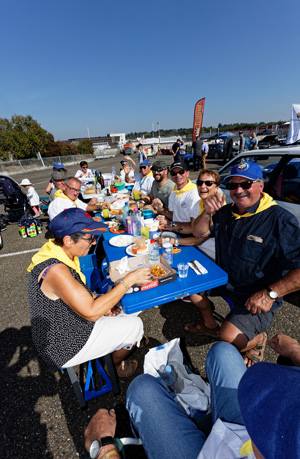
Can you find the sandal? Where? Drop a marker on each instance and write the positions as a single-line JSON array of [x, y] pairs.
[[260, 348], [127, 368], [201, 329]]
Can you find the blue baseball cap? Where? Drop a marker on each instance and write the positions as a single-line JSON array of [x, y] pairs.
[[269, 401], [74, 220], [247, 169], [145, 163], [58, 166]]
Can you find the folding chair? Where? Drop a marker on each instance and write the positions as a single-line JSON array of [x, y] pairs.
[[97, 381]]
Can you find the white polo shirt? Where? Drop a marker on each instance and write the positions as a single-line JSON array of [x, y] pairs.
[[60, 204], [182, 204], [143, 184]]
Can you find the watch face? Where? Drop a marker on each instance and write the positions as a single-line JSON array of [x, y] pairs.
[[94, 449], [273, 295]]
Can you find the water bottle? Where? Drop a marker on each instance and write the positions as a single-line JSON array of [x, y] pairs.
[[129, 222], [113, 173], [126, 209], [23, 231], [154, 251], [168, 375], [168, 251], [137, 223]]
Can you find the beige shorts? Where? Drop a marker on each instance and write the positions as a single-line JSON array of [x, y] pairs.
[[109, 334]]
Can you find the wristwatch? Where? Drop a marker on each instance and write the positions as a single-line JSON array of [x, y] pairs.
[[96, 446], [173, 224], [176, 243], [272, 294]]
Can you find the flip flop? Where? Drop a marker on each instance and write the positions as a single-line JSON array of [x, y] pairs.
[[127, 368], [202, 330], [260, 348]]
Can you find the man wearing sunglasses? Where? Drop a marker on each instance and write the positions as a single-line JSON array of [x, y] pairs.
[[67, 198], [258, 245], [161, 187], [144, 179], [182, 199]]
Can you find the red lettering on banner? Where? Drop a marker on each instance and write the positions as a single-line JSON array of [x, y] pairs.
[[151, 285]]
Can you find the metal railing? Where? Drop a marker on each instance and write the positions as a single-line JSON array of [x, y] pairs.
[[15, 167]]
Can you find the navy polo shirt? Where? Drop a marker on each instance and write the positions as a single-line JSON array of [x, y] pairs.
[[255, 251]]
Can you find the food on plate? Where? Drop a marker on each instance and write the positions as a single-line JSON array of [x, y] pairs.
[[157, 271], [90, 191], [116, 211]]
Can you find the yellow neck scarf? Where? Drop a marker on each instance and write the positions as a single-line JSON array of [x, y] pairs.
[[188, 187], [51, 250], [61, 194], [148, 175], [264, 204]]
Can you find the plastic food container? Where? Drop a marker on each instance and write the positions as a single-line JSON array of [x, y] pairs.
[[120, 185]]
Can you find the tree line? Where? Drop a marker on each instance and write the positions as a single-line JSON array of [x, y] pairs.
[[22, 137]]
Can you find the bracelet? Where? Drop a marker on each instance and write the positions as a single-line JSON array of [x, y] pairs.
[[111, 453], [124, 283]]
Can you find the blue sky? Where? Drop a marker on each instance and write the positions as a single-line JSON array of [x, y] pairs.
[[122, 66]]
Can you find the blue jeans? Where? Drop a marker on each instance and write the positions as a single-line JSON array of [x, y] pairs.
[[164, 428]]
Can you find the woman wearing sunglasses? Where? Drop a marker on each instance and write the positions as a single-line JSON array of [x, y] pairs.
[[208, 185], [71, 325], [84, 174]]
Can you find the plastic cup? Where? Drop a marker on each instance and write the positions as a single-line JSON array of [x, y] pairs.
[[182, 269], [145, 232], [140, 242], [136, 195], [105, 213], [134, 249]]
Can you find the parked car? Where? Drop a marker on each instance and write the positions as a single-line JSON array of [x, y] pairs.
[[167, 151], [281, 173], [215, 150], [267, 141]]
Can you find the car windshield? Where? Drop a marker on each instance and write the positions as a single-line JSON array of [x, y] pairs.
[[266, 162]]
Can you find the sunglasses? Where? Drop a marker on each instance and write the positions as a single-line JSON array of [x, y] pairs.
[[75, 190], [143, 167], [89, 239], [245, 185], [207, 182], [158, 169], [84, 167], [181, 172]]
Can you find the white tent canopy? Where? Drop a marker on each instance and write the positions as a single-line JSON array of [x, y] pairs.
[[294, 131]]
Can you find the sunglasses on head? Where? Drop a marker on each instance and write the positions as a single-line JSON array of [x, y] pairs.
[[245, 185], [158, 169], [181, 172], [207, 182]]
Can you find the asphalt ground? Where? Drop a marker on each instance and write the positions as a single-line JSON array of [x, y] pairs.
[[40, 416]]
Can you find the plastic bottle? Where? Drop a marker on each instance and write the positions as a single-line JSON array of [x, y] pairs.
[[168, 375], [31, 231], [126, 209], [23, 231], [137, 223], [113, 173], [129, 222], [154, 251], [168, 250]]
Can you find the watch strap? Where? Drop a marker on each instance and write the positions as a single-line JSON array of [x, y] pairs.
[[106, 441]]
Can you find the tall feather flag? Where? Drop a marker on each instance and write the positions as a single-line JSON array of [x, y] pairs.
[[198, 117]]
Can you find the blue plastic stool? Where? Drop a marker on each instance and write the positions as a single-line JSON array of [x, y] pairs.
[[97, 380]]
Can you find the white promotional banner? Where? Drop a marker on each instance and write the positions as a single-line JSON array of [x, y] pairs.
[[294, 131]]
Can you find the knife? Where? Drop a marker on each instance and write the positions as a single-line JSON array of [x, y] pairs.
[[194, 268], [200, 268]]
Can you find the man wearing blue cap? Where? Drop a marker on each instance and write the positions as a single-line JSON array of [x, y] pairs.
[[144, 179], [258, 245]]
